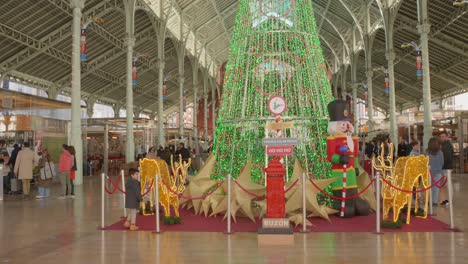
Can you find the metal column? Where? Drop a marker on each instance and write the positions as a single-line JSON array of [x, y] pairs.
[[75, 138], [389, 18], [424, 28], [130, 142]]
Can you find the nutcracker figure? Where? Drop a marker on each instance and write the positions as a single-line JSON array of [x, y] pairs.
[[342, 152]]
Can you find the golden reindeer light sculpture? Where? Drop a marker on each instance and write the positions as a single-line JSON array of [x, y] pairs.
[[406, 175], [415, 170], [149, 168], [384, 165], [170, 186]]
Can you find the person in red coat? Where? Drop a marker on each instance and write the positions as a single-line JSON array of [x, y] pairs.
[[342, 152]]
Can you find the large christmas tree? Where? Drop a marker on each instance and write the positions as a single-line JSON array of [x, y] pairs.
[[275, 50]]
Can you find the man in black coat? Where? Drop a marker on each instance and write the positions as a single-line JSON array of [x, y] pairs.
[[447, 149], [132, 198], [183, 151]]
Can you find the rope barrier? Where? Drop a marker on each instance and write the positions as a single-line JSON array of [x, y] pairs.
[[341, 198], [290, 187], [443, 178], [112, 183], [442, 184], [116, 185], [248, 192], [149, 188]]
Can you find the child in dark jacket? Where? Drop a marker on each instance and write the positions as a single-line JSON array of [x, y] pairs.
[[132, 198]]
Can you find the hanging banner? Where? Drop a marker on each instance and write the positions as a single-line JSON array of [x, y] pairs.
[[419, 71], [134, 71], [387, 82], [164, 91], [83, 44], [184, 103]]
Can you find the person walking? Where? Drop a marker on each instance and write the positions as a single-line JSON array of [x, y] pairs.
[[436, 162], [65, 166], [447, 149], [24, 164], [72, 151]]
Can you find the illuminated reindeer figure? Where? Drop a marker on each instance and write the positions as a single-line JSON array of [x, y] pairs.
[[151, 167], [405, 175], [384, 165], [415, 169]]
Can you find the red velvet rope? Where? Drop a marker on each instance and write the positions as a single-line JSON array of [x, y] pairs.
[[249, 193], [192, 198], [149, 189], [436, 184], [116, 185], [341, 198], [442, 184], [290, 187], [113, 184]]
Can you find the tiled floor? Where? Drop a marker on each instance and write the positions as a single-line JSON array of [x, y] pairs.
[[64, 231]]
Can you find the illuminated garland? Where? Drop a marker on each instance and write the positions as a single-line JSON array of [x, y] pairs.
[[275, 50]]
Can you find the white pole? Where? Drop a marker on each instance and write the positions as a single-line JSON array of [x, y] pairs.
[[229, 205], [156, 204], [430, 191], [304, 209], [122, 174], [103, 178], [377, 198], [1, 181], [450, 192]]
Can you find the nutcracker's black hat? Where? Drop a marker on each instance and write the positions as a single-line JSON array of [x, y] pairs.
[[338, 110]]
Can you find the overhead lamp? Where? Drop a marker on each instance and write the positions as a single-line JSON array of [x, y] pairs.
[[460, 3]]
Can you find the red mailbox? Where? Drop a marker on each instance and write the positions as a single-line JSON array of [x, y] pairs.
[[275, 189]]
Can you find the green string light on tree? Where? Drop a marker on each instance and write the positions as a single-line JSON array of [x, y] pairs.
[[275, 50]]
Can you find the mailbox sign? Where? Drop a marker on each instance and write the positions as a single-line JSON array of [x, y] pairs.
[[280, 150]]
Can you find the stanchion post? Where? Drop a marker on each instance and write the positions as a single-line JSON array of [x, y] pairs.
[[304, 209], [103, 179], [122, 174], [450, 195], [229, 205], [156, 203], [431, 209], [377, 199]]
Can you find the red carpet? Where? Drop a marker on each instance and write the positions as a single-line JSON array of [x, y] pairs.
[[193, 223]]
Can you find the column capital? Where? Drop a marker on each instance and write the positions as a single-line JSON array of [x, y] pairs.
[[130, 41], [390, 56], [116, 108], [424, 28], [77, 4], [369, 73]]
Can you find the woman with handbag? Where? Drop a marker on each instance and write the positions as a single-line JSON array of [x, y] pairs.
[[47, 168], [65, 166]]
